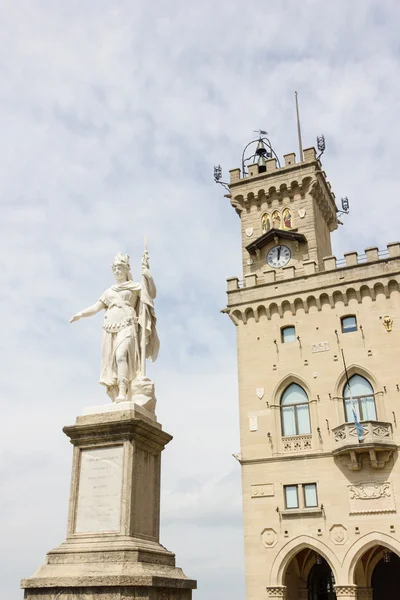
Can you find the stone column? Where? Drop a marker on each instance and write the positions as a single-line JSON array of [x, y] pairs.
[[277, 592], [346, 592], [112, 549]]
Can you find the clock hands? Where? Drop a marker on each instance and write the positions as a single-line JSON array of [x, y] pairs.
[[278, 256]]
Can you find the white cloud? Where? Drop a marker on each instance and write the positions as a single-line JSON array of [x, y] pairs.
[[112, 117]]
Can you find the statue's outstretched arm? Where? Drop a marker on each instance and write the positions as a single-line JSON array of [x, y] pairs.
[[88, 312]]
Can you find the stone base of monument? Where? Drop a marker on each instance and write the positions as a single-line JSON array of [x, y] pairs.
[[112, 550]]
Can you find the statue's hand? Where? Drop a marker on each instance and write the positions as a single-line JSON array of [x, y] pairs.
[[145, 262], [75, 318]]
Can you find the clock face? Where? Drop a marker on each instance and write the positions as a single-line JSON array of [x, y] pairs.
[[278, 256]]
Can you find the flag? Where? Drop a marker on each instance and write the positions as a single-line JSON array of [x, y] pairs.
[[359, 427]]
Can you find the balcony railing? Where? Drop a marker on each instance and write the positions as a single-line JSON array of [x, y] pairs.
[[378, 443], [297, 443]]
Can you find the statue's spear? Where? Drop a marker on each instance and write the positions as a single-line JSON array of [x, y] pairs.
[[145, 265]]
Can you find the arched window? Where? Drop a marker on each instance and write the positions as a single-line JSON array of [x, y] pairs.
[[362, 393], [294, 411]]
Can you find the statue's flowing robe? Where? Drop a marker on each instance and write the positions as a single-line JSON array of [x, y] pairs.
[[129, 308]]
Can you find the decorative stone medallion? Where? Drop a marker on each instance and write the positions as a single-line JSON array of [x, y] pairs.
[[302, 213], [268, 537], [260, 393], [249, 231], [338, 534]]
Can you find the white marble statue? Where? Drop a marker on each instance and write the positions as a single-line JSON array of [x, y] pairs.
[[129, 332]]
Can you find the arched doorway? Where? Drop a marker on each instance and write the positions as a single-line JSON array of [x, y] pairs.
[[378, 571], [321, 581], [385, 579], [309, 577]]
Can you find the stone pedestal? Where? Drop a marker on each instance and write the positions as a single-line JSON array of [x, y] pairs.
[[112, 550]]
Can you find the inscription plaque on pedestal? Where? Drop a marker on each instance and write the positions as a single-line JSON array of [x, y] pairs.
[[100, 487]]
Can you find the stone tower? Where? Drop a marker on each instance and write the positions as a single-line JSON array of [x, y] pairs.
[[319, 485]]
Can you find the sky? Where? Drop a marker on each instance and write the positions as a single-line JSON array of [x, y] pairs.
[[112, 116]]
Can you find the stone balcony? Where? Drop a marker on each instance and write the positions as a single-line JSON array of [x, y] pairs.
[[378, 444]]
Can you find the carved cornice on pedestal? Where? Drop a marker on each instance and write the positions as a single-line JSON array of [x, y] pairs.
[[346, 592], [277, 591]]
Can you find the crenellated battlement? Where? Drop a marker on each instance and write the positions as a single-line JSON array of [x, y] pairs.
[[354, 277], [272, 168]]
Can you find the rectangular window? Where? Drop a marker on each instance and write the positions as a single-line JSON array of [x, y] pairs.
[[301, 496], [349, 324], [310, 495], [291, 496], [288, 334]]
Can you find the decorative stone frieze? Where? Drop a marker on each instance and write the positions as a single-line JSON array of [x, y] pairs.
[[371, 497], [276, 592], [298, 443], [261, 490], [346, 592]]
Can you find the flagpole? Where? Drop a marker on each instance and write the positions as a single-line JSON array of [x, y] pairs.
[[298, 128], [359, 427]]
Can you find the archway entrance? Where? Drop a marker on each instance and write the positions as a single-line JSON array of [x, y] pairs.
[[321, 582], [378, 570], [309, 577], [385, 580]]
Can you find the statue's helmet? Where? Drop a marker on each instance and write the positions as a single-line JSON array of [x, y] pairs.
[[121, 259]]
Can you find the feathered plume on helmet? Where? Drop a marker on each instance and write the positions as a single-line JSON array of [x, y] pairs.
[[122, 259]]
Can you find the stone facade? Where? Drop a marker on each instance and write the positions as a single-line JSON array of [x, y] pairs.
[[357, 483]]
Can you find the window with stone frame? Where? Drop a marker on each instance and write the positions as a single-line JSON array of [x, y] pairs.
[[288, 334], [349, 323], [359, 393], [295, 414], [300, 496]]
